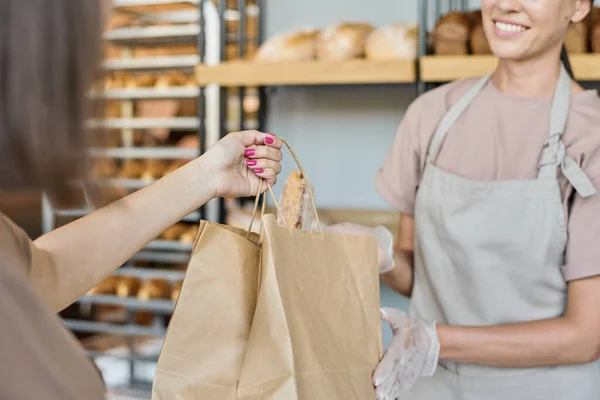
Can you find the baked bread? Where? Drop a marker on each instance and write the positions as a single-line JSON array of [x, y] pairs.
[[189, 236], [171, 78], [478, 42], [155, 288], [174, 232], [397, 41], [451, 34], [107, 286], [176, 290], [296, 206], [127, 286], [104, 168], [344, 41], [289, 46], [577, 37], [131, 169]]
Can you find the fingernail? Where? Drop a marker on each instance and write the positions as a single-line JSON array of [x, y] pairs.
[[250, 152], [269, 140], [259, 170], [250, 162]]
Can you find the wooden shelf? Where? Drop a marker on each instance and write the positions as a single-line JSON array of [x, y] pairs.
[[586, 67], [353, 72]]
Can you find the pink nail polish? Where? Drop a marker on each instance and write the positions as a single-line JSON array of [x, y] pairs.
[[250, 152], [259, 170], [250, 162], [269, 140]]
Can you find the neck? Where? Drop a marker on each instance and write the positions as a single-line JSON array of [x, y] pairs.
[[530, 78]]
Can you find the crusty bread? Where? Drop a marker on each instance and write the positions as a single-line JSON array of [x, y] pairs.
[[156, 288], [289, 46], [397, 41], [343, 41], [451, 34], [127, 286]]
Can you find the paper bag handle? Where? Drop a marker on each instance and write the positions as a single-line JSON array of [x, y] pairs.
[[270, 189]]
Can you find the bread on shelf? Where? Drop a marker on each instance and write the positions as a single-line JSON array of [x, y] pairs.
[[343, 41], [391, 42], [174, 232], [127, 286], [131, 169], [577, 40], [451, 34], [154, 169], [189, 236], [176, 290], [156, 288], [289, 46], [478, 42], [104, 168], [107, 286]]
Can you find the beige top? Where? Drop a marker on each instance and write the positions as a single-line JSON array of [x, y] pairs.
[[41, 359], [500, 137]]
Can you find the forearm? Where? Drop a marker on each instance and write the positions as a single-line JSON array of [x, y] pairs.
[[86, 251], [400, 279], [551, 342]]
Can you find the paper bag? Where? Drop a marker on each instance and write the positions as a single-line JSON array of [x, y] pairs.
[[316, 333], [206, 339]]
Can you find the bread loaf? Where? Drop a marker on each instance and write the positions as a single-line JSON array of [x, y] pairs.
[[289, 46], [131, 169], [154, 170], [154, 289], [397, 41], [451, 34], [296, 206], [189, 236], [174, 232], [127, 286], [344, 41], [478, 42], [577, 37], [176, 290], [107, 286], [104, 168], [593, 20]]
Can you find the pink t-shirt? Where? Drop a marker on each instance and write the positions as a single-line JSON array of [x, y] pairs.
[[501, 137]]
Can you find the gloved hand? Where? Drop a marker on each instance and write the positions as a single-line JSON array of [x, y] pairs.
[[413, 352], [385, 241]]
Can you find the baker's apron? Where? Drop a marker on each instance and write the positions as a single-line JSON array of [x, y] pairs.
[[490, 252]]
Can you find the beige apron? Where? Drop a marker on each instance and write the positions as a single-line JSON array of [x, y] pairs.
[[490, 252]]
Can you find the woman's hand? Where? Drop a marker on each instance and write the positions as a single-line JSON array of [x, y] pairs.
[[413, 352], [238, 161]]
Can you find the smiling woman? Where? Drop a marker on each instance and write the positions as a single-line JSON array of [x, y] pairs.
[[496, 181]]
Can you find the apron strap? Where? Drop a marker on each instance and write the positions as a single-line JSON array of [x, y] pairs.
[[452, 116], [554, 153]]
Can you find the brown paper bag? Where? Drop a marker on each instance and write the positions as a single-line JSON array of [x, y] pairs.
[[206, 340], [316, 333]]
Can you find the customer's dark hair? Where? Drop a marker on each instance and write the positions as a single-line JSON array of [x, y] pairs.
[[49, 55]]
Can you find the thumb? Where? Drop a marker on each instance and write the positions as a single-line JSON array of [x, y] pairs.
[[394, 317]]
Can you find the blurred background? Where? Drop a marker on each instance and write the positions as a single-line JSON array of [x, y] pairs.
[[333, 77]]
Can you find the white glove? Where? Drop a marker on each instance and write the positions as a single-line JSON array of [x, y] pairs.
[[413, 352], [385, 241]]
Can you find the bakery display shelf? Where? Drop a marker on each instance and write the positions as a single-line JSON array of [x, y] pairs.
[[170, 245], [180, 123], [134, 357], [586, 67], [357, 71], [82, 212], [103, 327], [154, 35], [172, 153], [132, 303], [160, 257], [152, 5], [153, 63], [175, 92], [150, 273]]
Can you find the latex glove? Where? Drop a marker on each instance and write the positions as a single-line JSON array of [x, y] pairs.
[[413, 352], [385, 241]]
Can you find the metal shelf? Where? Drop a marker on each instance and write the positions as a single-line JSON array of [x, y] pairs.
[[82, 212], [146, 152], [175, 92], [148, 63], [175, 258], [150, 273], [154, 35], [169, 245], [134, 357], [183, 123], [125, 4], [160, 306], [103, 327]]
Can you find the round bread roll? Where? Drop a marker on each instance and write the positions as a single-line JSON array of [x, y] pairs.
[[289, 46], [344, 41], [156, 288], [154, 170], [176, 290], [174, 232], [397, 41], [189, 236], [451, 34], [104, 168], [131, 169], [107, 286], [127, 286]]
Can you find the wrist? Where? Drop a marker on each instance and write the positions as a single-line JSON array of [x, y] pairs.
[[202, 180]]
